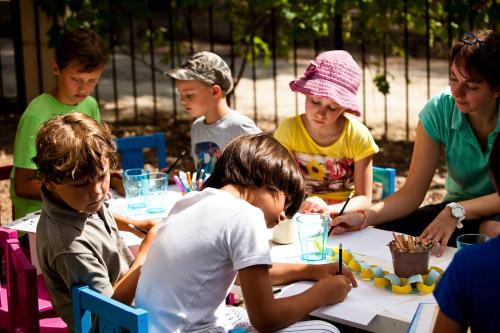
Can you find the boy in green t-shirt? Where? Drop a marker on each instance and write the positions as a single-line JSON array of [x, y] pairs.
[[79, 62]]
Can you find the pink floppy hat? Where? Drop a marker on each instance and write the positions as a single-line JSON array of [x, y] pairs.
[[334, 75]]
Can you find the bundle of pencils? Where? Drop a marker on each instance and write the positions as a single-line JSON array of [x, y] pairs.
[[186, 183], [410, 244]]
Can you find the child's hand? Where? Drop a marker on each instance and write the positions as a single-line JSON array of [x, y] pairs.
[[116, 183], [348, 222], [335, 288], [314, 205], [324, 271]]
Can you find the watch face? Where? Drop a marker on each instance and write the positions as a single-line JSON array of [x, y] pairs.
[[457, 212]]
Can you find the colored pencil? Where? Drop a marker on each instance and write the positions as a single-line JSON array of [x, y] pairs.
[[342, 209], [176, 161]]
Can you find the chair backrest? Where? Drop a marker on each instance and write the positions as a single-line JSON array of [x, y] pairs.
[[131, 150], [387, 177], [111, 314], [5, 172], [5, 234], [5, 175], [22, 293]]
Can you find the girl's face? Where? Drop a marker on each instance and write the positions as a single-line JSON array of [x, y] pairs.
[[74, 86], [472, 96], [195, 97], [85, 197], [321, 112], [271, 204]]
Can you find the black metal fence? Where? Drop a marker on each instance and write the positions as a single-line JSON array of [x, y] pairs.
[[135, 91]]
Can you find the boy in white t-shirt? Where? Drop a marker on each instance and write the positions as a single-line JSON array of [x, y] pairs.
[[214, 235]]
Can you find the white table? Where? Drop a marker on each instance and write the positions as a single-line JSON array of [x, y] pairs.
[[117, 204], [369, 245]]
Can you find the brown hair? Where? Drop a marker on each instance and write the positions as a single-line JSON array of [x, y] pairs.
[[480, 58], [83, 47], [259, 160], [73, 147]]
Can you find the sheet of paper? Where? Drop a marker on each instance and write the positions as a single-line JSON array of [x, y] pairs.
[[424, 319], [406, 310], [361, 305]]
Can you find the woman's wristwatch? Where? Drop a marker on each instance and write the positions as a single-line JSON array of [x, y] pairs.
[[458, 212]]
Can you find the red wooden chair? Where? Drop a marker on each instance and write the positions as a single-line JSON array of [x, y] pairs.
[[5, 175], [44, 304], [22, 295]]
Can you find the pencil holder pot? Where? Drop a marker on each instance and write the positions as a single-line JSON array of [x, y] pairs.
[[410, 262]]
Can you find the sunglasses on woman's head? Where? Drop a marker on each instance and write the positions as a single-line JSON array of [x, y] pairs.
[[469, 38]]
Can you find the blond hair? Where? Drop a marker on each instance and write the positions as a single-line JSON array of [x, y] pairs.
[[73, 147]]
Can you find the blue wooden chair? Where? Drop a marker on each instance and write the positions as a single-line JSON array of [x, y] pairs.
[[111, 314], [387, 177], [131, 150]]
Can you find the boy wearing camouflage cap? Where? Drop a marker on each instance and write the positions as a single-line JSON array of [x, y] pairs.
[[203, 81]]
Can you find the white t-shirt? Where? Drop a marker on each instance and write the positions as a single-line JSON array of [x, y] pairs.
[[191, 265], [208, 141]]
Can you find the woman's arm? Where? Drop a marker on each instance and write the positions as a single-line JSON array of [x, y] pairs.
[[424, 162], [26, 185]]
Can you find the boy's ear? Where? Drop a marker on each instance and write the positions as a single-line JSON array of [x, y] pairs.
[[216, 90], [54, 67]]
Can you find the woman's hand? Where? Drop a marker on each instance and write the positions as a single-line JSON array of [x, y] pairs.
[[314, 205], [348, 222], [441, 229]]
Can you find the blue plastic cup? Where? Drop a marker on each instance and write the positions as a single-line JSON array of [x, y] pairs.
[[157, 198], [313, 234], [136, 188]]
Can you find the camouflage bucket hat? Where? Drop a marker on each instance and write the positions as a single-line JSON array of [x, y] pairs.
[[206, 67]]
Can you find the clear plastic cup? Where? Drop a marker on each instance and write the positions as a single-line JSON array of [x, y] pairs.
[[135, 182], [157, 197], [313, 233]]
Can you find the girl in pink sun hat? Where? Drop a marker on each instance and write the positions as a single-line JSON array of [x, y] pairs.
[[331, 146]]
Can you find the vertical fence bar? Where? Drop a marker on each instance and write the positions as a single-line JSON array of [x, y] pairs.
[[152, 68], [38, 47], [493, 13], [363, 56], [254, 80], [428, 48], [337, 22], [471, 15], [384, 58], [2, 94], [232, 99], [172, 55], [211, 26], [448, 29], [190, 28], [295, 65], [112, 42], [407, 77], [132, 63], [18, 54], [275, 81]]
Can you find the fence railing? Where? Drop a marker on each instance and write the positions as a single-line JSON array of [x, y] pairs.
[[402, 56]]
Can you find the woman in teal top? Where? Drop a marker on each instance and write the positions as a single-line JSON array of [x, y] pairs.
[[463, 121]]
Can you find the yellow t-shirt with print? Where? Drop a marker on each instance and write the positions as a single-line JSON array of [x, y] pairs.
[[328, 171]]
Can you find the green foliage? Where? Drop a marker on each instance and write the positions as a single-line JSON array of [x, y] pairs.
[[378, 24]]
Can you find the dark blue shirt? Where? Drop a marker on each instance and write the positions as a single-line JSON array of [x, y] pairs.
[[469, 291]]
